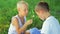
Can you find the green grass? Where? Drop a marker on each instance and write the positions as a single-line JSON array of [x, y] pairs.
[[8, 9]]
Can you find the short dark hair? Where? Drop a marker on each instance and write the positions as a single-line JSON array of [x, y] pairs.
[[43, 5]]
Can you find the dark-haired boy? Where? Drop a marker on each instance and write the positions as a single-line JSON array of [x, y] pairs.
[[51, 24]]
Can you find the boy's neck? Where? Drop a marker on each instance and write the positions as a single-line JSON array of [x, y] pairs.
[[21, 16], [47, 15]]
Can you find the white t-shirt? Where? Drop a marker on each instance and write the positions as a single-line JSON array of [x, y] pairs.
[[51, 26]]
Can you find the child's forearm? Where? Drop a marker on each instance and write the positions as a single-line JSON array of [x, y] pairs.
[[23, 29]]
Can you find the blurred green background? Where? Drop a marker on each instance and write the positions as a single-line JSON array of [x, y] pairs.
[[8, 9]]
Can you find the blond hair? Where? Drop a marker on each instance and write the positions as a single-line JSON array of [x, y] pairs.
[[22, 2]]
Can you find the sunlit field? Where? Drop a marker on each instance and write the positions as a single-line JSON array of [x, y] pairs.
[[8, 9]]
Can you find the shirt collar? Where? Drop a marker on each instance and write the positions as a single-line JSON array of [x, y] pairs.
[[49, 17]]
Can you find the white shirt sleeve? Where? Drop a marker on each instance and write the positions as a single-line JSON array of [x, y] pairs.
[[55, 28], [46, 28]]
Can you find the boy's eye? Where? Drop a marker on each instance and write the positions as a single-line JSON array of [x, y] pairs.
[[25, 10]]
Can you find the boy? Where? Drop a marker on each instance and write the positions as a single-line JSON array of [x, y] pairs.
[[19, 24], [51, 24]]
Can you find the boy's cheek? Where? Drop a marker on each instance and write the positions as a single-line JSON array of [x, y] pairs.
[[23, 13]]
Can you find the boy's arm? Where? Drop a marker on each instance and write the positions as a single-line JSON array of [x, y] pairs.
[[45, 29], [25, 25], [18, 29]]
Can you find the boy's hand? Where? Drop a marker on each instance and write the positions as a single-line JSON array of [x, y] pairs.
[[29, 22]]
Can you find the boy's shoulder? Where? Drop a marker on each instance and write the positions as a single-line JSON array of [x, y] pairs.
[[50, 20], [14, 17]]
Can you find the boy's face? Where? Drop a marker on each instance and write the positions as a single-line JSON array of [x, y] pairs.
[[40, 13], [23, 10]]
